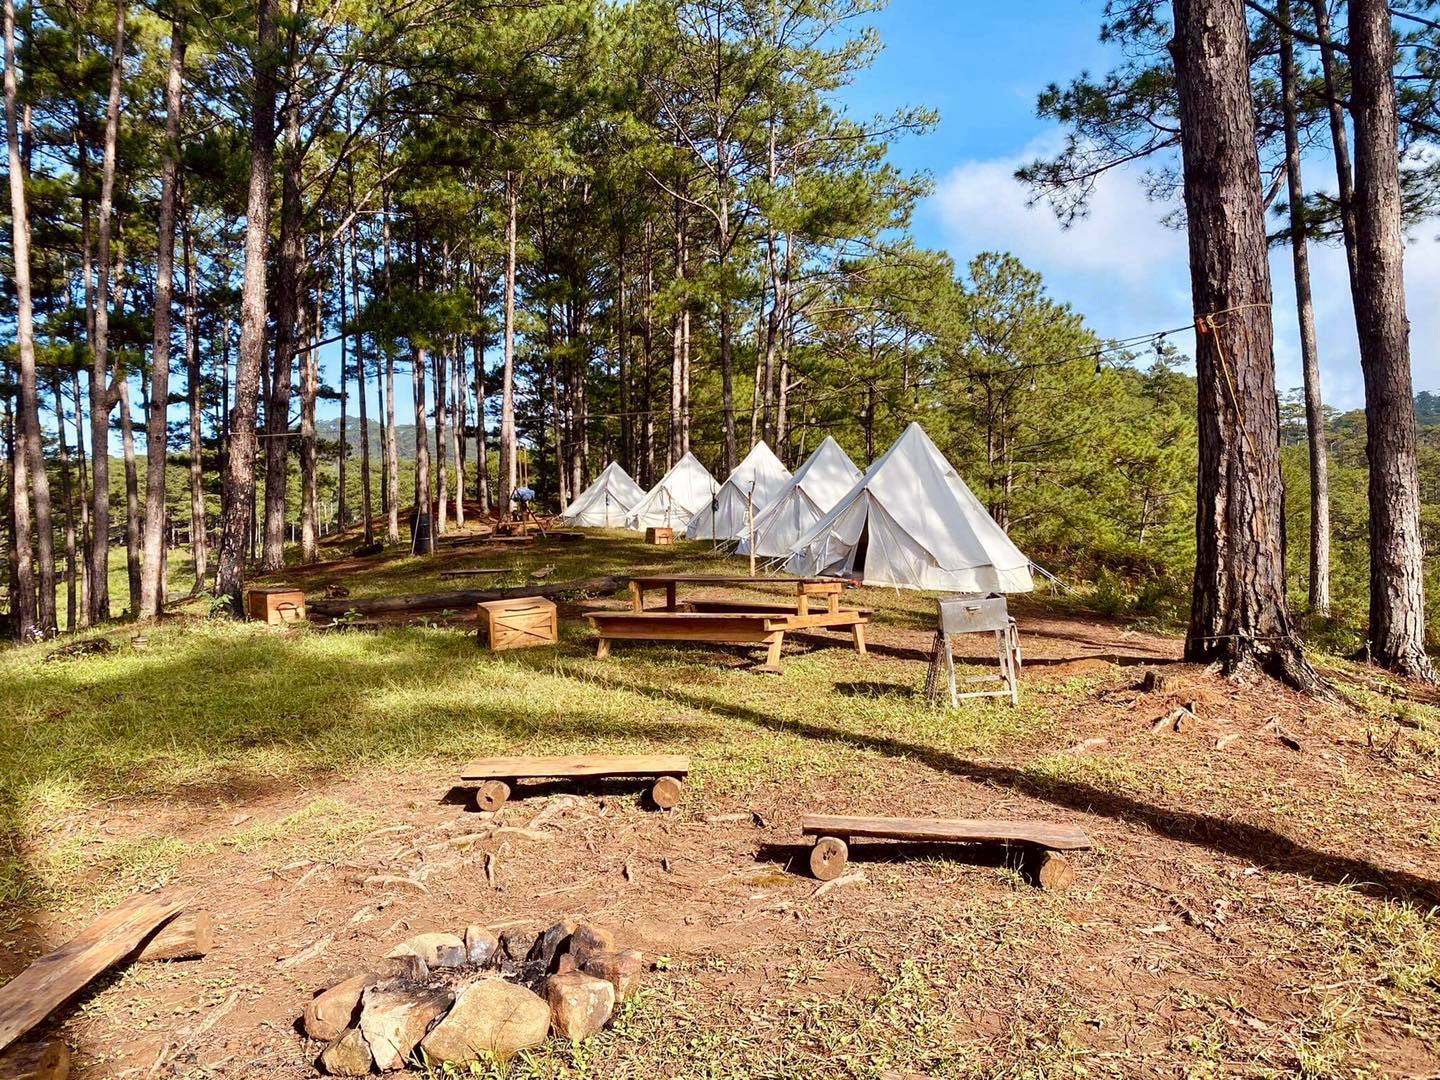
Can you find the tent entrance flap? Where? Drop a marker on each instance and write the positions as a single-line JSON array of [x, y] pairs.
[[861, 549]]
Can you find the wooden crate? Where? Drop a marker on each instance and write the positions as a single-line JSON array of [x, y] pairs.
[[519, 623], [660, 535], [275, 606]]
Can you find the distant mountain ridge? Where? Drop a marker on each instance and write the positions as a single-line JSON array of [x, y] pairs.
[[329, 430]]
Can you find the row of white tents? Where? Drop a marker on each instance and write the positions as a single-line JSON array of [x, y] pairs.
[[908, 521]]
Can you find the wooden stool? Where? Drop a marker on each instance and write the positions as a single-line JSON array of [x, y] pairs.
[[522, 622], [660, 535], [275, 606]]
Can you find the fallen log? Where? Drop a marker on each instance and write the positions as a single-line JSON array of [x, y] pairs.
[[464, 598]]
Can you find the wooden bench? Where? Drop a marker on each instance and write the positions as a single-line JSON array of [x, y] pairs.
[[521, 622], [832, 851], [496, 773], [275, 606], [726, 623], [660, 535]]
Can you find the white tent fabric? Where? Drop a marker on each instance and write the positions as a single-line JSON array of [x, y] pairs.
[[912, 523], [823, 480], [606, 502], [756, 481], [677, 498]]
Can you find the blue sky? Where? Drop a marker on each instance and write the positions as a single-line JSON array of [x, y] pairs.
[[982, 65]]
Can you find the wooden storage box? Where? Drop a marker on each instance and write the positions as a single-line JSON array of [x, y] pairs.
[[660, 535], [275, 606], [520, 623]]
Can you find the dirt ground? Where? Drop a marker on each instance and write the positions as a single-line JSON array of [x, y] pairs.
[[1257, 905]]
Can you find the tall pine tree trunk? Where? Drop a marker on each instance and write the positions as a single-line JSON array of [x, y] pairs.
[[1319, 578], [1397, 568], [482, 451], [67, 494], [507, 376], [132, 492], [240, 462], [102, 396], [289, 300], [29, 462], [83, 496], [199, 542], [309, 451], [156, 443], [343, 451], [1238, 614], [365, 500]]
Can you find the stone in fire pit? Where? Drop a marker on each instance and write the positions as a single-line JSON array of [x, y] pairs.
[[445, 998]]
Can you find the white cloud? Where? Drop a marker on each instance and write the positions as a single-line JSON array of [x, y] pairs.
[[1128, 273]]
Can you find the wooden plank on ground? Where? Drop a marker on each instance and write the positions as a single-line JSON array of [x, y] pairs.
[[54, 979], [514, 768], [979, 830]]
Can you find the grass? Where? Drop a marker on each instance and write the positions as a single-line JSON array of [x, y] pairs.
[[211, 710]]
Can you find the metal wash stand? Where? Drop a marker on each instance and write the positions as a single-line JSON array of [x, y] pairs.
[[974, 615]]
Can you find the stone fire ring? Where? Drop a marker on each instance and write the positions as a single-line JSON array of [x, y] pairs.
[[444, 999]]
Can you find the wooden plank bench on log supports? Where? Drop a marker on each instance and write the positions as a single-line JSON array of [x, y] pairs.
[[834, 832], [496, 773]]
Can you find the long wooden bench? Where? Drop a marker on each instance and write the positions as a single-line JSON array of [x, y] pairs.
[[831, 851], [496, 773], [724, 622]]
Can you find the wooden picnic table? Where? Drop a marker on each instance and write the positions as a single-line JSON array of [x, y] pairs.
[[729, 621], [804, 588]]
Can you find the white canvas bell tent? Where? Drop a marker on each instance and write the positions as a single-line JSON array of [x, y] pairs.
[[823, 480], [606, 502], [676, 499], [912, 523], [755, 483]]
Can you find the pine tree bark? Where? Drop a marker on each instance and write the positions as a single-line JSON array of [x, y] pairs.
[[1319, 577], [240, 463], [1238, 613], [156, 448], [33, 618], [1397, 569]]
